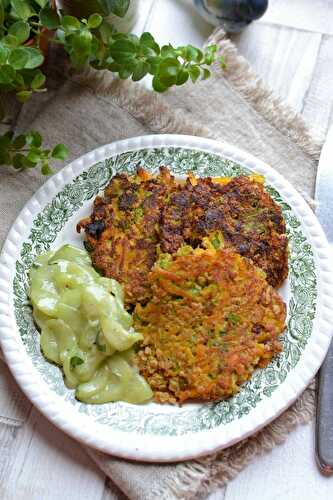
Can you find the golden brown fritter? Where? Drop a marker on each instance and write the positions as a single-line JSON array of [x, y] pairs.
[[122, 232], [240, 210], [141, 215], [204, 333]]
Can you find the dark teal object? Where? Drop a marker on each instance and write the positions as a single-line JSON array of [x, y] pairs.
[[232, 15]]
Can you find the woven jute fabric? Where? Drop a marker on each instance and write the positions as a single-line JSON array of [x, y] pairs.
[[91, 109]]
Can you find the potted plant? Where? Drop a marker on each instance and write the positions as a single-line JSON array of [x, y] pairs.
[[28, 27]]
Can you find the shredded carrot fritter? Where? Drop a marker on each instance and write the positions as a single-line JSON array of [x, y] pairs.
[[211, 321]]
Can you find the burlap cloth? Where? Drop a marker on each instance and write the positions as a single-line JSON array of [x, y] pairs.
[[89, 110]]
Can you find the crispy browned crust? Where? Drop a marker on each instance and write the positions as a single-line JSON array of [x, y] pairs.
[[122, 232], [245, 214], [204, 333], [141, 215]]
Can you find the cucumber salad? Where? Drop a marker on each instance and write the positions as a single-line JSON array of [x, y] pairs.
[[85, 328]]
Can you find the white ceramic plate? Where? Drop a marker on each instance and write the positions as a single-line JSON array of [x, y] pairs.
[[160, 432]]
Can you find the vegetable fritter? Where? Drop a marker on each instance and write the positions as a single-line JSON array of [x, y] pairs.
[[204, 333], [140, 216], [240, 210], [122, 233]]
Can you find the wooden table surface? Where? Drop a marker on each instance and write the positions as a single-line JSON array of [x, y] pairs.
[[291, 48]]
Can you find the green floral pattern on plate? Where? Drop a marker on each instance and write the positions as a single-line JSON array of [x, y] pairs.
[[154, 419]]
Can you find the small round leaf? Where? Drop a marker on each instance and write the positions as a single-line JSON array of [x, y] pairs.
[[19, 141], [19, 58], [94, 21], [35, 58], [46, 169], [35, 155], [38, 80], [49, 18], [123, 51], [158, 85], [70, 23], [194, 73], [24, 95], [7, 74], [21, 30], [182, 77], [4, 52], [34, 138], [22, 9], [140, 70], [60, 152]]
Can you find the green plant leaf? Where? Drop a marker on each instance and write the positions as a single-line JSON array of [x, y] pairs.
[[140, 70], [106, 32], [49, 18], [23, 95], [209, 58], [211, 48], [70, 23], [168, 51], [124, 73], [168, 71], [10, 41], [94, 21], [206, 73], [191, 53], [35, 154], [81, 42], [4, 52], [158, 85], [194, 73], [38, 80], [6, 139], [47, 170], [19, 58], [148, 40], [19, 82], [35, 58], [117, 7], [19, 141], [182, 76], [18, 161], [34, 138], [123, 51], [42, 3], [4, 157], [60, 152], [22, 9], [154, 63], [7, 74], [21, 30]]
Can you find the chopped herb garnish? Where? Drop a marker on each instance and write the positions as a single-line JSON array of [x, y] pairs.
[[100, 347], [138, 213], [76, 361], [233, 318], [216, 242]]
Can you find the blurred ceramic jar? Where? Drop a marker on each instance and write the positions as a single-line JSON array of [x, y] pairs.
[[232, 15], [81, 8]]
